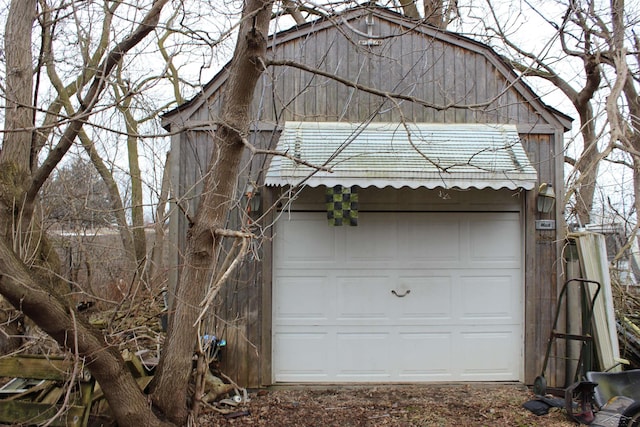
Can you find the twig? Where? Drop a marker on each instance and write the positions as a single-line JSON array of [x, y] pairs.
[[295, 159], [74, 374], [213, 291]]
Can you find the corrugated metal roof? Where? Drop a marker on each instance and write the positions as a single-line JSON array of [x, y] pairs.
[[398, 155]]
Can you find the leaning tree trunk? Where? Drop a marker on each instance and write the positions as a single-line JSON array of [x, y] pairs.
[[58, 320], [587, 164], [243, 73]]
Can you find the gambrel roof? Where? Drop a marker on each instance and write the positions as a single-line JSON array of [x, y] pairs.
[[405, 66]]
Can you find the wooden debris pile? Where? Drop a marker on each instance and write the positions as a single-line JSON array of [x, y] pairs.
[[43, 389], [58, 390], [627, 304]]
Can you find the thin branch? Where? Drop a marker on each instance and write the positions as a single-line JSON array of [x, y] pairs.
[[298, 160], [215, 287], [373, 91], [91, 97]]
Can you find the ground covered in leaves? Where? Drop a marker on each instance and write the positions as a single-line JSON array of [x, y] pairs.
[[469, 405]]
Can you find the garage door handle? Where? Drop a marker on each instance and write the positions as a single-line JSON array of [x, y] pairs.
[[408, 291]]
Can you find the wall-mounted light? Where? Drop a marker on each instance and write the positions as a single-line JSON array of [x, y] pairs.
[[546, 198], [252, 199]]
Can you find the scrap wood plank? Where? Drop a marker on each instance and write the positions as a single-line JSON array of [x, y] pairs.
[[50, 369], [54, 395], [134, 364], [21, 412], [44, 368], [592, 252], [41, 390]]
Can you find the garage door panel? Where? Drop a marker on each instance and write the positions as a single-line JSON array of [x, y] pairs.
[[362, 297], [298, 298], [350, 350], [305, 240], [424, 356], [495, 354], [457, 279], [432, 241], [374, 239], [429, 299], [491, 299], [487, 248], [313, 366]]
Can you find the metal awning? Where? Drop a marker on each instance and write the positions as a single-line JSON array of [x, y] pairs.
[[401, 155]]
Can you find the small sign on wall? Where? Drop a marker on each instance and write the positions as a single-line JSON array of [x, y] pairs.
[[545, 224]]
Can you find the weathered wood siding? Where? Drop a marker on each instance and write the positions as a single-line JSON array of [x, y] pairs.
[[237, 310], [542, 262], [448, 83], [441, 77]]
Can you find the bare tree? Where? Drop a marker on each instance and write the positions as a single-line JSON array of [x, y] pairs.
[[23, 177], [21, 278], [207, 228], [600, 38]]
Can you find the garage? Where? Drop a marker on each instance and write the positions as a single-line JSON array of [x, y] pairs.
[[403, 297], [439, 129]]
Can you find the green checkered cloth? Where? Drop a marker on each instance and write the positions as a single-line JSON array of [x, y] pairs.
[[342, 205]]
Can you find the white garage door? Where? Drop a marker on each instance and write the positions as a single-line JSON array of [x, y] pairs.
[[401, 297]]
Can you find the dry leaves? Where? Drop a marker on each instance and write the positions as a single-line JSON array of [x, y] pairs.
[[471, 405]]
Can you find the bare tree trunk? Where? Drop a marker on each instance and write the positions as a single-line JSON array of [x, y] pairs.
[[410, 9], [216, 200], [589, 160], [440, 13], [588, 163], [433, 12], [157, 252], [16, 145], [15, 156], [137, 211]]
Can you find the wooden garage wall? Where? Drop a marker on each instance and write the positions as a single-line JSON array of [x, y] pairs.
[[543, 265], [414, 63], [237, 311]]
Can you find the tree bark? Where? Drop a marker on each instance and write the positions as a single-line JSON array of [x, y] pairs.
[[440, 13], [16, 145], [202, 242], [434, 12], [589, 161], [410, 9]]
